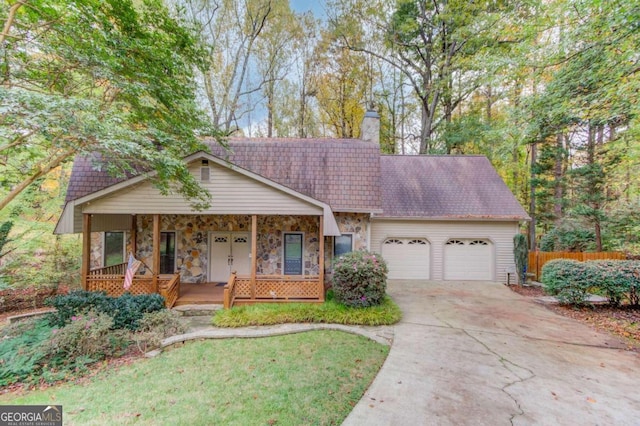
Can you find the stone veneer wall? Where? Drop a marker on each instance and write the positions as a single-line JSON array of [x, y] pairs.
[[270, 243], [353, 223], [97, 260], [192, 241]]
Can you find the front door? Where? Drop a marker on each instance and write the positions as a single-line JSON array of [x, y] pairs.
[[230, 251]]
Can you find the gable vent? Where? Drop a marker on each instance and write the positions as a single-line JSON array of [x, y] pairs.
[[205, 174]]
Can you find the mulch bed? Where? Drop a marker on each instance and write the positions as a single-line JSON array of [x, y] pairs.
[[16, 301], [623, 321]]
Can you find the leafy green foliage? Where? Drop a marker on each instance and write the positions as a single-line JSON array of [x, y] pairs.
[[521, 256], [618, 279], [568, 237], [360, 279], [127, 81], [22, 350], [126, 310], [571, 281], [5, 228], [155, 326], [87, 338]]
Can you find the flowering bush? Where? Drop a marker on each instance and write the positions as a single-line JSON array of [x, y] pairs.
[[360, 279], [87, 337]]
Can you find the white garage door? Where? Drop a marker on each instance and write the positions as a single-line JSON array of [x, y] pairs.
[[407, 258], [466, 259]]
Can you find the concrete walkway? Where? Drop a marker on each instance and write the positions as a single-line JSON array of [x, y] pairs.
[[480, 354]]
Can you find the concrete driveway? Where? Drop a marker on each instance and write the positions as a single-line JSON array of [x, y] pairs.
[[476, 353]]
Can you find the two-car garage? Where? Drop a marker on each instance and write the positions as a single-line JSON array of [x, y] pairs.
[[444, 250]]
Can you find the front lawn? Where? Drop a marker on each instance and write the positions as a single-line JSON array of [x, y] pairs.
[[306, 378]]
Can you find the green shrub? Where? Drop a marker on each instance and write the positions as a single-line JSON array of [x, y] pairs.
[[618, 279], [126, 310], [521, 256], [360, 279], [87, 338], [156, 326], [569, 280]]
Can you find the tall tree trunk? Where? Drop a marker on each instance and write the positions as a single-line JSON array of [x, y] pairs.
[[558, 179], [532, 202]]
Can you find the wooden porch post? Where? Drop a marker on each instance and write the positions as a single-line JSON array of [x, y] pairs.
[[254, 253], [156, 250], [134, 234], [321, 260], [86, 249]]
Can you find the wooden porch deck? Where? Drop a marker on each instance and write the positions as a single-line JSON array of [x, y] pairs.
[[201, 294]]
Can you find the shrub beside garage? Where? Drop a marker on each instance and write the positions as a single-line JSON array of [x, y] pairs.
[[572, 281]]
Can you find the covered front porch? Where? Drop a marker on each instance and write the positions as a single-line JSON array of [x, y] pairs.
[[184, 287]]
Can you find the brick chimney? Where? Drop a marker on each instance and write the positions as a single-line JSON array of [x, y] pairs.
[[370, 128]]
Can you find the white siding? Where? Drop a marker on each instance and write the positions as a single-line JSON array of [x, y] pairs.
[[439, 232], [232, 193]]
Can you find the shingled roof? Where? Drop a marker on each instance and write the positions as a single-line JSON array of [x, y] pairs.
[[344, 173], [351, 175], [456, 187]]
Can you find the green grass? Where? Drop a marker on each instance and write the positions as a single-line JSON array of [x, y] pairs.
[[329, 312], [308, 378]]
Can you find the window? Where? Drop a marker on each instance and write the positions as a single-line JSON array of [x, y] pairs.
[[293, 254], [113, 248], [167, 252], [393, 242], [342, 244]]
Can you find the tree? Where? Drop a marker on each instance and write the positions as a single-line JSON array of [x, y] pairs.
[[274, 55], [444, 48], [586, 108], [122, 91], [230, 30]]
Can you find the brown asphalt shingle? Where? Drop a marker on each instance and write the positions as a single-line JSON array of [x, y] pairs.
[[445, 186], [344, 173], [351, 175]]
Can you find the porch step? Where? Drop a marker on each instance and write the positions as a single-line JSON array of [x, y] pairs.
[[197, 310]]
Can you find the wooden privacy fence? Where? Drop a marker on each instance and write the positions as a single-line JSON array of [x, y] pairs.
[[537, 259]]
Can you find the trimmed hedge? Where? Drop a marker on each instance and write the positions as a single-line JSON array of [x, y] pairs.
[[126, 310], [572, 281], [360, 279]]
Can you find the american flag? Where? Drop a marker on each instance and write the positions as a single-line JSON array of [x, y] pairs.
[[132, 267]]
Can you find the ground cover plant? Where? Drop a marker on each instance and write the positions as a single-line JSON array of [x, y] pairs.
[[331, 311], [307, 378], [62, 345]]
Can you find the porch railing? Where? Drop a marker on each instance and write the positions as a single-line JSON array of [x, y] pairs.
[[273, 288], [119, 269], [170, 289], [113, 285]]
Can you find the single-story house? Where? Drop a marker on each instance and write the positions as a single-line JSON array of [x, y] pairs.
[[282, 209]]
